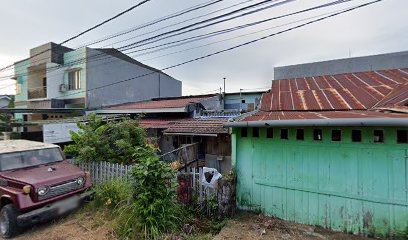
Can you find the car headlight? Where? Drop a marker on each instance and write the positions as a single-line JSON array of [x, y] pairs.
[[42, 191], [80, 181]]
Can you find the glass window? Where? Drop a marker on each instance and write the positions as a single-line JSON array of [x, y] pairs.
[[16, 160], [244, 132], [317, 134], [356, 136], [74, 80], [300, 134], [269, 132], [255, 132], [402, 136], [378, 136], [284, 134], [336, 135]]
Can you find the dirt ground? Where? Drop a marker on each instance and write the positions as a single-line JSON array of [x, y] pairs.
[[245, 226], [258, 227], [78, 226]]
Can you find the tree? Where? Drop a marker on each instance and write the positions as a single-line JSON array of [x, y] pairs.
[[98, 140]]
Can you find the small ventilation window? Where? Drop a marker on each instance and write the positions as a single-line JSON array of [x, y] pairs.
[[244, 132], [317, 134], [269, 133], [300, 134], [284, 133], [243, 101], [336, 135], [378, 136], [356, 136], [255, 132], [402, 136]]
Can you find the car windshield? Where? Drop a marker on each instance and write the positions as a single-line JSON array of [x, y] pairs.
[[16, 160]]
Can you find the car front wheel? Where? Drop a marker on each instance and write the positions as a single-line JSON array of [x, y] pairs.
[[8, 221]]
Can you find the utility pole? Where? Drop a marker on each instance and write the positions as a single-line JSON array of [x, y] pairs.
[[223, 96]]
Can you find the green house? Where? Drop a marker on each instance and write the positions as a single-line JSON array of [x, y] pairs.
[[329, 151]]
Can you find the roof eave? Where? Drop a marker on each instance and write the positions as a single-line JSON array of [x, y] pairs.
[[339, 122], [157, 110]]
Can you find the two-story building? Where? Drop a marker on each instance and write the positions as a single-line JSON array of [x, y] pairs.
[[57, 81], [59, 77]]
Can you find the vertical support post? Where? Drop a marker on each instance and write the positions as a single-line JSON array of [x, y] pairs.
[[200, 185]]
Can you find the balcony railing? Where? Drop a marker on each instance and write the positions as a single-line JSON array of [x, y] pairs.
[[38, 92]]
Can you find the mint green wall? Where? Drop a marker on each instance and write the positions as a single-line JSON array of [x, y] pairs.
[[75, 60], [21, 69], [352, 187]]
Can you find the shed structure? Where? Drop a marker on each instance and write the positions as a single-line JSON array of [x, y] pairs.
[[329, 151]]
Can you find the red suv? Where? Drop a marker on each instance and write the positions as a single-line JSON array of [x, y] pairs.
[[37, 184]]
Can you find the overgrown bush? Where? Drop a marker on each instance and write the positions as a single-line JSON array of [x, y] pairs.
[[113, 194], [155, 203], [114, 142]]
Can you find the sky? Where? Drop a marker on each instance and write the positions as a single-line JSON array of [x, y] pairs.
[[376, 29]]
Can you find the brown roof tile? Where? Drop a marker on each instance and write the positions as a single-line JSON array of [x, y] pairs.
[[199, 126]]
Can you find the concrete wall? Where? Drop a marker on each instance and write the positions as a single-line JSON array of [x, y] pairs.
[[109, 70], [233, 101], [358, 64]]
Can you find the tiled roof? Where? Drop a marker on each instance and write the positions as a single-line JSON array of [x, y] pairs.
[[160, 123], [349, 91], [296, 115], [159, 103], [199, 126]]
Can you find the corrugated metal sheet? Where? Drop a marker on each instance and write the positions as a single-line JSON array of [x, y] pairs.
[[159, 103], [289, 115], [199, 126], [349, 91]]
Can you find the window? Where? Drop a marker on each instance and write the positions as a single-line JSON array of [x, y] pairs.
[[284, 134], [317, 134], [243, 101], [255, 132], [402, 136], [300, 134], [356, 136], [336, 135], [18, 89], [244, 132], [74, 80], [378, 136], [269, 133]]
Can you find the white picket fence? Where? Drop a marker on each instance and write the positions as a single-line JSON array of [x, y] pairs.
[[102, 172]]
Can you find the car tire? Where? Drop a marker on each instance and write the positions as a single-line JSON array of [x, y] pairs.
[[8, 221]]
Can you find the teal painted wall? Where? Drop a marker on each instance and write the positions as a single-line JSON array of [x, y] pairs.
[[21, 69], [74, 60], [346, 186]]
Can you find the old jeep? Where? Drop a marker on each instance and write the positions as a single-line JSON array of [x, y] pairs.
[[37, 184]]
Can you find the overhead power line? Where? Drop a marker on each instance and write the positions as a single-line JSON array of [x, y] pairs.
[[86, 31], [190, 9], [199, 37], [201, 22], [236, 46]]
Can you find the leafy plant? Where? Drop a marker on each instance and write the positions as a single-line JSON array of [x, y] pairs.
[[114, 142], [113, 193], [155, 202]]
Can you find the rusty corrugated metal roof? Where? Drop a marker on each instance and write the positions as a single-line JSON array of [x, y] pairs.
[[159, 103], [295, 115], [349, 91], [157, 123], [199, 126]]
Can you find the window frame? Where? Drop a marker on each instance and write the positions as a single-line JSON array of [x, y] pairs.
[[321, 134], [341, 135], [75, 83], [361, 135], [287, 133], [303, 134], [397, 136], [383, 136]]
